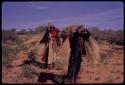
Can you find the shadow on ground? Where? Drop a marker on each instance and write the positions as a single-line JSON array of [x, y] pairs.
[[57, 79], [33, 62]]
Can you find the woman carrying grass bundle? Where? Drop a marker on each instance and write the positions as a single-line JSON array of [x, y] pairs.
[[81, 44], [50, 39]]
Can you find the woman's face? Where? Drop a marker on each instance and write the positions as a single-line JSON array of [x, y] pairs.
[[78, 30], [82, 29]]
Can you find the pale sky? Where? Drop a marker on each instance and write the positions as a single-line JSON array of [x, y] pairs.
[[23, 15]]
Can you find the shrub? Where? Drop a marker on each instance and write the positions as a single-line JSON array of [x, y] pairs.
[[32, 56], [112, 36], [8, 35], [8, 54], [40, 29], [28, 71], [105, 56]]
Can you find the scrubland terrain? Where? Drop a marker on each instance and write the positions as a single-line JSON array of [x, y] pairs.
[[15, 68]]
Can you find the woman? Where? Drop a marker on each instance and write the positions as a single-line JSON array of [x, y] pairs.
[[49, 39], [77, 50]]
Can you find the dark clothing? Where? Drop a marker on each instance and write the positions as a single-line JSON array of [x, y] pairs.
[[46, 54], [77, 48], [45, 38], [78, 39], [74, 63]]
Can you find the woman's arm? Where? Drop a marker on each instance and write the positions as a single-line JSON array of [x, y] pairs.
[[88, 34], [85, 34]]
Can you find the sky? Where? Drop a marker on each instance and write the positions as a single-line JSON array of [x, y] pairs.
[[23, 15]]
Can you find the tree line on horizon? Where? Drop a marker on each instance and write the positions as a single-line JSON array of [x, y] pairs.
[[109, 35]]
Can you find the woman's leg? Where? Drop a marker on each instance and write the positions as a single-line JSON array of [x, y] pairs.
[[74, 64]]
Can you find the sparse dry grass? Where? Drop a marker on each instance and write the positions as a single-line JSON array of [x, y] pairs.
[[105, 56], [8, 54], [28, 71]]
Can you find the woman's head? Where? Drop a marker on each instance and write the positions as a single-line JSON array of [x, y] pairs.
[[51, 28], [80, 29]]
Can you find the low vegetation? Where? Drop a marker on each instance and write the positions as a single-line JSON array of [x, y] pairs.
[[28, 71], [8, 54]]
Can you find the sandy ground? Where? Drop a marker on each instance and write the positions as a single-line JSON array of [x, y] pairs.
[[111, 71]]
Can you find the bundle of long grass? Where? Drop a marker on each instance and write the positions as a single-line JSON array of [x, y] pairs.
[[92, 51]]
